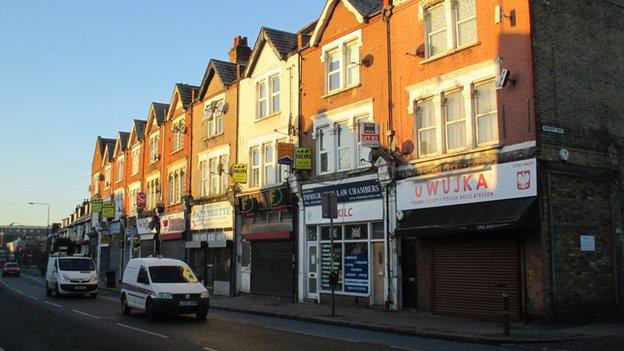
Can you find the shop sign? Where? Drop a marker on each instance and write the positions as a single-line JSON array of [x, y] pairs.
[[96, 204], [213, 236], [285, 153], [326, 264], [303, 158], [108, 209], [212, 216], [497, 182], [356, 269], [172, 223], [239, 173], [265, 200], [143, 226], [348, 192], [362, 211], [369, 134]]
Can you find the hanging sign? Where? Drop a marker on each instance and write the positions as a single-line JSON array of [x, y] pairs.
[[369, 134], [303, 158], [239, 173], [96, 205], [108, 209], [285, 153], [141, 199]]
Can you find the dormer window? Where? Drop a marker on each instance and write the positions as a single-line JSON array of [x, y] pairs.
[[213, 117]]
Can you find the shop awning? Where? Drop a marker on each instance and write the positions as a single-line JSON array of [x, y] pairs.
[[476, 217]]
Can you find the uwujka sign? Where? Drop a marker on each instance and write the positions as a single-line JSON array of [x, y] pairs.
[[495, 182]]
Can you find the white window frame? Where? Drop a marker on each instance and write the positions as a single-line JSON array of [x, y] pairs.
[[176, 182], [452, 25], [340, 47], [463, 81], [207, 176], [255, 169], [262, 100], [153, 189], [435, 127], [214, 119], [346, 146], [136, 155], [268, 168], [268, 100], [154, 146], [177, 138], [107, 177], [275, 94], [478, 114], [204, 178], [362, 153], [133, 190], [214, 176], [120, 169], [445, 115]]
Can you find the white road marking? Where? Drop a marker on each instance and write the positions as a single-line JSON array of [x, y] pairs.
[[52, 303], [312, 334], [205, 348], [32, 278], [86, 314], [33, 297], [142, 330], [20, 292], [404, 348]]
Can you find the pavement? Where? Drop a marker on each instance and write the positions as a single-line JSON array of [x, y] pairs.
[[414, 323]]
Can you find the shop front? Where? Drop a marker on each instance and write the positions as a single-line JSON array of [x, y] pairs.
[[145, 232], [211, 245], [462, 238], [172, 228], [359, 243], [268, 264]]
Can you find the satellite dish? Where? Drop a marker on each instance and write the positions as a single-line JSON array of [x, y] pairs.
[[407, 147], [368, 60], [225, 107]]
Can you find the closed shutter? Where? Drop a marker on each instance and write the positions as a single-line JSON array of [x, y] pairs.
[[469, 276], [173, 249], [272, 268], [147, 248]]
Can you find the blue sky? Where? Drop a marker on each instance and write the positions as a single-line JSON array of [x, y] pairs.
[[72, 70]]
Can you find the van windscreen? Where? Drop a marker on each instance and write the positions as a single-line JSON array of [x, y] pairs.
[[172, 274], [76, 264]]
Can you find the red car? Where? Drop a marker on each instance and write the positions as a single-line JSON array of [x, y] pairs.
[[11, 268]]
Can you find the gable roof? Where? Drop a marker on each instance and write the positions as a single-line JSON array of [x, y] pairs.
[[160, 111], [109, 147], [362, 9], [185, 92], [139, 127], [283, 44], [121, 143], [227, 72]]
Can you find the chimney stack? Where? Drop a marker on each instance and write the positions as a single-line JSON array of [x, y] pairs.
[[387, 3], [240, 51]]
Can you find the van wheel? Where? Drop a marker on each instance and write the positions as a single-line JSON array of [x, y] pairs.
[[149, 310], [48, 291], [201, 316], [125, 309]]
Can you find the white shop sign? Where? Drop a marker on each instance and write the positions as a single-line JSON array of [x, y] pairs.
[[172, 223], [359, 211], [143, 226], [212, 216], [496, 182]]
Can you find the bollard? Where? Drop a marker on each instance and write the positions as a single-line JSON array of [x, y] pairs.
[[505, 297]]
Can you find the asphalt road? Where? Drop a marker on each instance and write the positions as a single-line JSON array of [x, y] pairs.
[[31, 321]]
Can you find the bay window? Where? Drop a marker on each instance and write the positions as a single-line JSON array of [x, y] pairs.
[[337, 147]]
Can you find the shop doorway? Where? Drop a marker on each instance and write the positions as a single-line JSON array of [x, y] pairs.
[[312, 271], [408, 264], [378, 273]]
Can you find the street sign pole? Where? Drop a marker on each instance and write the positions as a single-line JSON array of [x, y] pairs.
[[332, 274], [329, 209]]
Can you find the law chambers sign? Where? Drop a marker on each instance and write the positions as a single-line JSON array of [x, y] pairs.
[[495, 182]]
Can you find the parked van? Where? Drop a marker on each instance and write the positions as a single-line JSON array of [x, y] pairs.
[[162, 285], [71, 275]]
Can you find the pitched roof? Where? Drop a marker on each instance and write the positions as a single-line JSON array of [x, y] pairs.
[[227, 72], [367, 8], [123, 139], [109, 145], [283, 43], [362, 9], [160, 110], [139, 126], [186, 93], [104, 142]]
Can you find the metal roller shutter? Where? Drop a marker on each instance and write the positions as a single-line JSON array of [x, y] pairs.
[[173, 249], [469, 276], [272, 268]]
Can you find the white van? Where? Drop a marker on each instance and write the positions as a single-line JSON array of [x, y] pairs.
[[162, 285], [71, 275]]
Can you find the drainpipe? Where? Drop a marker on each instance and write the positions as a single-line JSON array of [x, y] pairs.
[[387, 14]]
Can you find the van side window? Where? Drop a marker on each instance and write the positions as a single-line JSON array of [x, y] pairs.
[[142, 276]]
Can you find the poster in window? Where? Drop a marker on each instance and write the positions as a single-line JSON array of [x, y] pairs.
[[326, 261], [356, 268]]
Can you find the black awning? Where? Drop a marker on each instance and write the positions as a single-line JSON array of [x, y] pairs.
[[475, 217]]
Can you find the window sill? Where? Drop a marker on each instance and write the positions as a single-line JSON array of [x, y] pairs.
[[211, 137], [267, 116], [176, 151], [342, 90], [435, 157], [449, 53]]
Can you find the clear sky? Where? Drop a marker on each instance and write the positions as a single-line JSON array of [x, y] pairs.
[[73, 70]]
